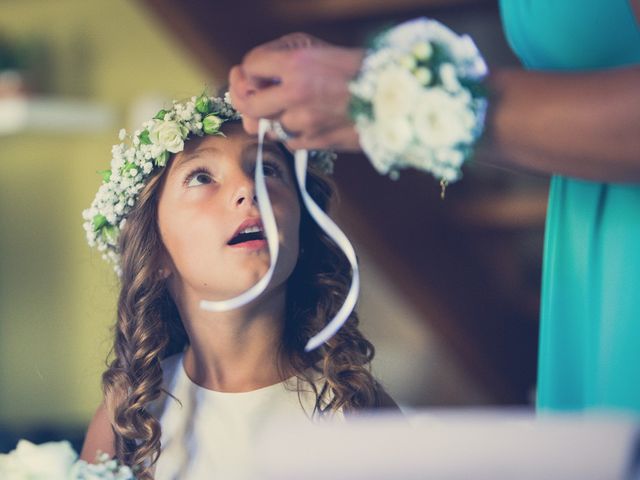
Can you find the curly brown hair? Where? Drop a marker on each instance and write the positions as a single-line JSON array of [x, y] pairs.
[[148, 328]]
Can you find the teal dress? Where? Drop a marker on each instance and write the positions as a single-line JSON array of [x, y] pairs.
[[589, 356]]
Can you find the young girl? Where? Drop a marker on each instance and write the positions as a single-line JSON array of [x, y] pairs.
[[187, 389]]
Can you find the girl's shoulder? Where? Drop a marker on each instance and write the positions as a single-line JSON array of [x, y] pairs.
[[99, 436]]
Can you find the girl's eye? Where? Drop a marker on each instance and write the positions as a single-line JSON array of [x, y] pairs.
[[271, 169], [197, 178]]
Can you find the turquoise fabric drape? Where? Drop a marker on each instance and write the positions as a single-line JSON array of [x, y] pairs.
[[589, 353]]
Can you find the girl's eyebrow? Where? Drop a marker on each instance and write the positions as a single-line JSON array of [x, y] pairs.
[[267, 147], [197, 153], [250, 148]]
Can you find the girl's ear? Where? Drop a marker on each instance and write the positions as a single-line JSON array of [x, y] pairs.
[[164, 266]]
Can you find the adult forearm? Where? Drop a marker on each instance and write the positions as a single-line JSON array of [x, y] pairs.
[[585, 125], [579, 124]]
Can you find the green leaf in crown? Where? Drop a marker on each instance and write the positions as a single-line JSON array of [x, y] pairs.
[[160, 115], [162, 159], [105, 174], [144, 137], [99, 221]]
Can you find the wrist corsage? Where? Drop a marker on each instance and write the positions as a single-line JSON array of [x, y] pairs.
[[418, 100]]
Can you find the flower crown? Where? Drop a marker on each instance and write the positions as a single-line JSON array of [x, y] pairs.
[[150, 149]]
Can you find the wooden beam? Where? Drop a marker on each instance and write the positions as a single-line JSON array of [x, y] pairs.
[[179, 22]]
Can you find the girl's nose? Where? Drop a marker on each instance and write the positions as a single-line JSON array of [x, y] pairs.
[[245, 193], [244, 198]]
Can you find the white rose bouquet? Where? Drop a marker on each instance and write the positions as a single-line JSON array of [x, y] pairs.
[[57, 461], [418, 100]]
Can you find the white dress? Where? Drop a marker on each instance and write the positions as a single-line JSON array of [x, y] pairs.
[[209, 434]]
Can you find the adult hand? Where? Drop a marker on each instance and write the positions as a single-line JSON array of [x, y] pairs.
[[302, 82]]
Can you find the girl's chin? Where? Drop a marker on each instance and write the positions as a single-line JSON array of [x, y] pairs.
[[240, 287], [238, 284]]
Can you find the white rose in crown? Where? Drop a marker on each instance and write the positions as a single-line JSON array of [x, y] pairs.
[[167, 134], [49, 461]]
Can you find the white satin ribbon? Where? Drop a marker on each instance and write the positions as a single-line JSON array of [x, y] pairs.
[[334, 232], [271, 232]]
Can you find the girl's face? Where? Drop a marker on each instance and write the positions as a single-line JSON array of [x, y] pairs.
[[207, 197]]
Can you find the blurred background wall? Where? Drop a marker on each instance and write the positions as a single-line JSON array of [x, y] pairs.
[[450, 289], [57, 298]]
